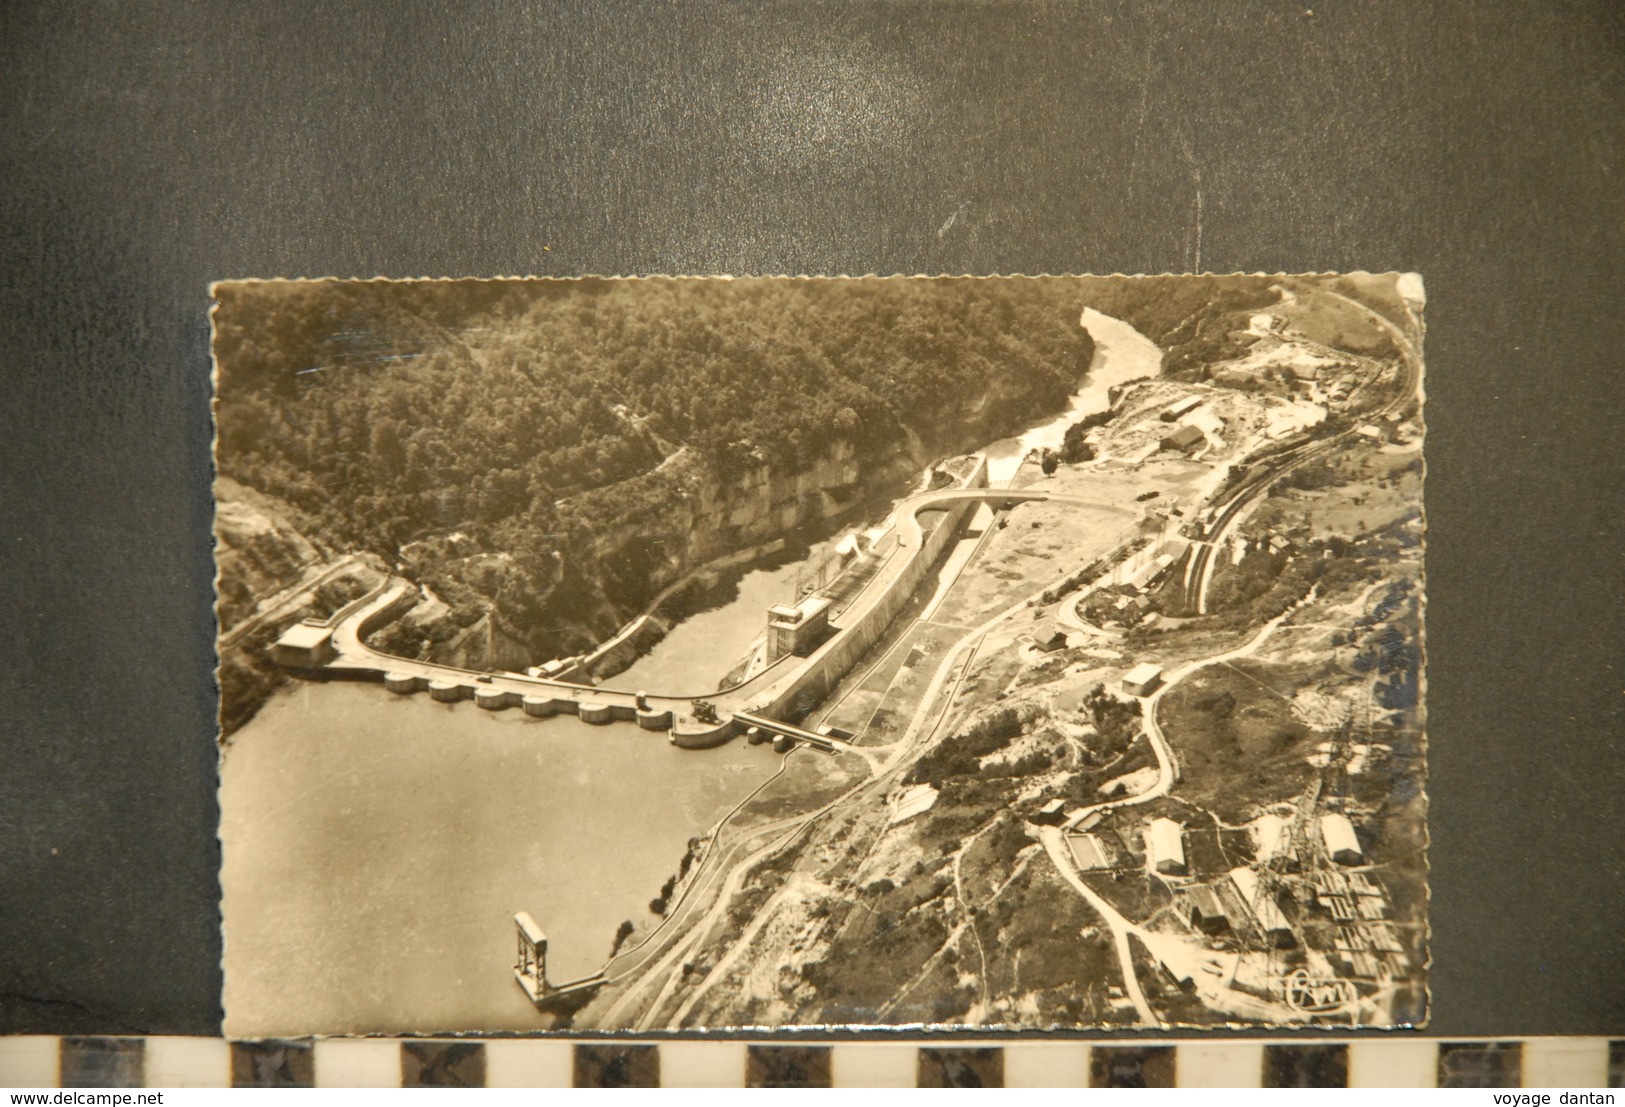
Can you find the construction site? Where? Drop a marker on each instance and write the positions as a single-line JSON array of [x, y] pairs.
[[1162, 769]]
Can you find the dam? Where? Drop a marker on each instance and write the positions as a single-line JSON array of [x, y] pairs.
[[805, 663], [347, 905]]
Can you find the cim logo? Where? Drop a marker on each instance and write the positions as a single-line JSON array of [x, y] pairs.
[[1319, 996]]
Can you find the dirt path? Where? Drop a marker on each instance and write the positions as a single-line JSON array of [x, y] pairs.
[[1121, 928], [1167, 773]]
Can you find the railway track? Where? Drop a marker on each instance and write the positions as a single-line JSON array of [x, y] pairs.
[[1198, 573]]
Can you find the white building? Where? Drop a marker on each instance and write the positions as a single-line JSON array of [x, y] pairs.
[[1342, 845], [797, 629], [1173, 411], [305, 645], [1140, 680], [1165, 847]]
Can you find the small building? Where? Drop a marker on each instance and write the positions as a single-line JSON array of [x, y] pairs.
[[1184, 439], [306, 645], [1165, 847], [797, 629], [1151, 571], [1341, 843], [1047, 636], [1207, 912], [1052, 813], [559, 668], [1173, 411], [1179, 971], [1142, 679]]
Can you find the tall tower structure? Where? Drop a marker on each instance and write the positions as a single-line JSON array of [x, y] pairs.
[[530, 963]]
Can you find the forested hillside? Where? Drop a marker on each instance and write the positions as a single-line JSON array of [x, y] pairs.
[[540, 419], [1196, 320]]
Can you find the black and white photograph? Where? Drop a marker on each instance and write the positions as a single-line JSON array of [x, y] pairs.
[[695, 654]]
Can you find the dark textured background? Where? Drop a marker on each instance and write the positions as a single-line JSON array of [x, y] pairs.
[[146, 149]]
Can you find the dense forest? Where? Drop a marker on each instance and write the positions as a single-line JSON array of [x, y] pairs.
[[536, 420], [470, 401], [388, 413]]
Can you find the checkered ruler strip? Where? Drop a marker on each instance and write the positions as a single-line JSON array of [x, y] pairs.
[[163, 1062]]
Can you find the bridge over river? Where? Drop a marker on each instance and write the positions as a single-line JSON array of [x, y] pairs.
[[785, 689]]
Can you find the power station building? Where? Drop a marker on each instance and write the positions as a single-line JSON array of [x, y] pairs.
[[797, 629]]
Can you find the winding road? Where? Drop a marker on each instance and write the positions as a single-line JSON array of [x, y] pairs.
[[776, 684], [1167, 774], [928, 719]]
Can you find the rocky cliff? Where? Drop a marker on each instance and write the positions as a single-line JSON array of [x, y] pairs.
[[703, 515], [619, 546], [631, 541]]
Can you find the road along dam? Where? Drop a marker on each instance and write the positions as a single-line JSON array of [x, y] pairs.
[[785, 690]]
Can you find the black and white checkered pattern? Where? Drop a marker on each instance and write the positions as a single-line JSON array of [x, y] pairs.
[[163, 1062]]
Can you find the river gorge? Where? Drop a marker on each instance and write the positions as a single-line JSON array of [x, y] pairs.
[[344, 785]]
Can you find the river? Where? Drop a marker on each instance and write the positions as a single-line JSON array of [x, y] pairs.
[[375, 847], [698, 652], [1121, 354]]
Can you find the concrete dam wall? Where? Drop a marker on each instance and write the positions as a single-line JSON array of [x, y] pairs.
[[788, 690], [836, 658]]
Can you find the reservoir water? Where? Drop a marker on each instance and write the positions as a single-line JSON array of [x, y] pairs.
[[376, 847], [698, 652]]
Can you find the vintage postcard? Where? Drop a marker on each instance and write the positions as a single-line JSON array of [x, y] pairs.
[[664, 654]]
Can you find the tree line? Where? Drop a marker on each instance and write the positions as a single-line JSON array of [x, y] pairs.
[[387, 412]]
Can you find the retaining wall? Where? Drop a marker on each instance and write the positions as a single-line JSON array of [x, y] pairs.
[[832, 662], [819, 674]]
